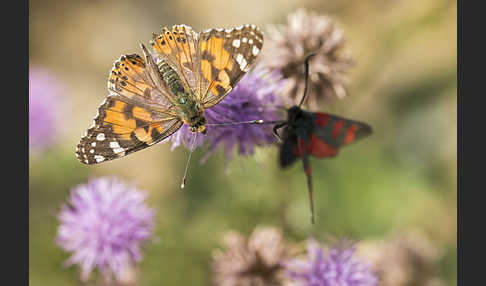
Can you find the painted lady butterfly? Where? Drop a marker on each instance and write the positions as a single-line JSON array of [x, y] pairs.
[[152, 97]]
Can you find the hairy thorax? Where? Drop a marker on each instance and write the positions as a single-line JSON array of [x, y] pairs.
[[189, 110]]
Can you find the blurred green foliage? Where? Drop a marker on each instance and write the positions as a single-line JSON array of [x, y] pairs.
[[402, 177]]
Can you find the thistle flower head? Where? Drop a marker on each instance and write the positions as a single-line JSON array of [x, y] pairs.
[[250, 261], [103, 225], [339, 267], [254, 98], [288, 45], [404, 259], [44, 105]]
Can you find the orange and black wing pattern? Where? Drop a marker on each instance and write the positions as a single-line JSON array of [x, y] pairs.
[[225, 56], [141, 110], [178, 47], [121, 128], [136, 114], [133, 79], [212, 62]]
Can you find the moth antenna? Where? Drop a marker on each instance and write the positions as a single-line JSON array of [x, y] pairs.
[[307, 59], [183, 184]]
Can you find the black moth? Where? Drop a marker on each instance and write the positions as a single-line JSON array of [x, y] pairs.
[[314, 133]]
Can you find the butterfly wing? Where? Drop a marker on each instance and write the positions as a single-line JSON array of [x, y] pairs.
[[136, 114], [121, 128], [210, 63], [178, 47], [134, 80], [224, 56]]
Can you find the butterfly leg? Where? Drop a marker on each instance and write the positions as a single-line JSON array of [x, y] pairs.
[[307, 171]]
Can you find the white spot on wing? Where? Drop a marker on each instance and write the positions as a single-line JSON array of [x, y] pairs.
[[114, 145], [244, 39], [91, 151], [250, 42], [100, 137], [119, 150], [93, 144], [99, 158], [255, 50], [241, 61], [236, 43]]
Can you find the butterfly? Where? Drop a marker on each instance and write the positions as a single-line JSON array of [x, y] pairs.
[[314, 134], [153, 95]]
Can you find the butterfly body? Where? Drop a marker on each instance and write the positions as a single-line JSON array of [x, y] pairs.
[[188, 109], [153, 95]]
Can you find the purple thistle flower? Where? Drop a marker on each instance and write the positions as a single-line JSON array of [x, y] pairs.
[[103, 225], [255, 97], [338, 268], [44, 90]]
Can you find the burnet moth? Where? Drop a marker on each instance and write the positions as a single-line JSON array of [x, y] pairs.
[[310, 134], [314, 134]]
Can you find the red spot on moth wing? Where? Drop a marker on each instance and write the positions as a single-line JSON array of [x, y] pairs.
[[321, 149], [337, 128], [299, 152], [350, 134], [321, 119]]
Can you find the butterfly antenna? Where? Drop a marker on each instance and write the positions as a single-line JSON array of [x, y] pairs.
[[259, 121], [183, 184], [256, 121], [307, 59]]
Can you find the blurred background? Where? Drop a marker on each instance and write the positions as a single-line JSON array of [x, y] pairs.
[[402, 178]]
